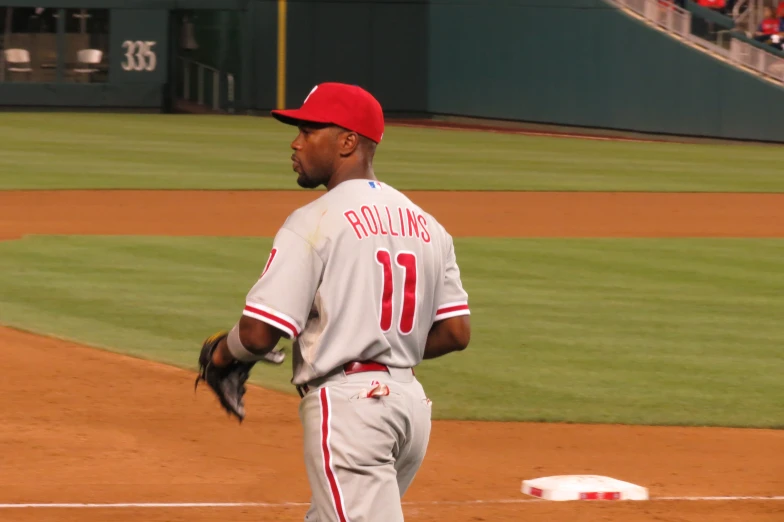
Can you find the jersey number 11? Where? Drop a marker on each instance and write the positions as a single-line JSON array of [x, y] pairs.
[[408, 263]]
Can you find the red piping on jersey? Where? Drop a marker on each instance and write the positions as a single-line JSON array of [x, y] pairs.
[[273, 318], [452, 309], [269, 261], [331, 479]]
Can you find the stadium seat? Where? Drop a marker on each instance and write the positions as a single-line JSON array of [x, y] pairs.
[[86, 60], [18, 61]]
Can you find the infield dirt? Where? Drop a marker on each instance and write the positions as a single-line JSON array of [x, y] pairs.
[[84, 425]]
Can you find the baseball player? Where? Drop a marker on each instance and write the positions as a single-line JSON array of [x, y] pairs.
[[366, 284]]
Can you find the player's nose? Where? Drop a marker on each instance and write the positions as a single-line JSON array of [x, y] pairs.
[[297, 143]]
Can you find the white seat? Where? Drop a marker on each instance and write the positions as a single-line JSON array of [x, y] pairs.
[[18, 60], [87, 59]]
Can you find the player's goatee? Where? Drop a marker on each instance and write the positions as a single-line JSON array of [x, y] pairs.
[[306, 182]]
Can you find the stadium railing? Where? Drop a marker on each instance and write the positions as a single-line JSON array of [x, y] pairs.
[[731, 46], [206, 86]]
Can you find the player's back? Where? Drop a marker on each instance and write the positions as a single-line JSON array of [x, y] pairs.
[[384, 262]]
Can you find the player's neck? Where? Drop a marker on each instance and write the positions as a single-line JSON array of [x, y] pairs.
[[350, 172]]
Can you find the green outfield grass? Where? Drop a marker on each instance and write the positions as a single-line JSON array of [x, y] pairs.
[[630, 331], [67, 150]]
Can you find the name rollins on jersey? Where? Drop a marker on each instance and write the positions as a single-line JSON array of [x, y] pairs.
[[372, 220]]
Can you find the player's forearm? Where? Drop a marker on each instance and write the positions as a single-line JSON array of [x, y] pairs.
[[256, 337], [222, 356], [451, 335]]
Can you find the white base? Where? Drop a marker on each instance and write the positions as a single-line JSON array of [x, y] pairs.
[[583, 487]]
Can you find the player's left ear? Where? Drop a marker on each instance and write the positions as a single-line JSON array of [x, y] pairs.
[[348, 142]]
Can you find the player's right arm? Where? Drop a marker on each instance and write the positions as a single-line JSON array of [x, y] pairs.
[[451, 330], [279, 302]]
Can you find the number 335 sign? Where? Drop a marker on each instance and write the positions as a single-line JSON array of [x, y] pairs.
[[139, 55], [139, 46]]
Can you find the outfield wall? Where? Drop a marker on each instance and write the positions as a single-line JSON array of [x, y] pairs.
[[564, 62], [379, 45], [584, 62]]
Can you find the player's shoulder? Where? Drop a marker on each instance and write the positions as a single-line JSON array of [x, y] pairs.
[[316, 220], [430, 219], [389, 194], [325, 215], [307, 217]]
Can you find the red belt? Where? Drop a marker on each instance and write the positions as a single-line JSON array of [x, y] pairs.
[[364, 366], [351, 368]]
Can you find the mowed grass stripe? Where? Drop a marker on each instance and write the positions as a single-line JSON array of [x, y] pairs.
[[109, 151], [628, 331]]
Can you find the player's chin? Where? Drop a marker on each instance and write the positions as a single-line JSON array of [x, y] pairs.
[[305, 182]]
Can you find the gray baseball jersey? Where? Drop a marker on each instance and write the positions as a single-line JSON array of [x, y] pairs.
[[360, 274]]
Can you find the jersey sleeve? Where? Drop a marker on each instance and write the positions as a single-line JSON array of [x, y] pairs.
[[452, 299], [283, 295]]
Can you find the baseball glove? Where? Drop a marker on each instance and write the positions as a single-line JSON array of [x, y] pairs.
[[227, 382]]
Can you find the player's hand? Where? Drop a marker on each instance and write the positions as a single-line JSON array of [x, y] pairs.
[[227, 382]]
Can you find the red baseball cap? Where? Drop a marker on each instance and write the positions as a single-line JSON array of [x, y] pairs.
[[348, 106]]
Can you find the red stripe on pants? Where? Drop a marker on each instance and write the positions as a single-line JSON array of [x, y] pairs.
[[337, 501]]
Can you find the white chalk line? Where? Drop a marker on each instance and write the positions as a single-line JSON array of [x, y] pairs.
[[719, 498], [52, 505]]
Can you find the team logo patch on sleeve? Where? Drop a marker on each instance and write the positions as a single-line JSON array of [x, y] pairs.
[[374, 185]]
